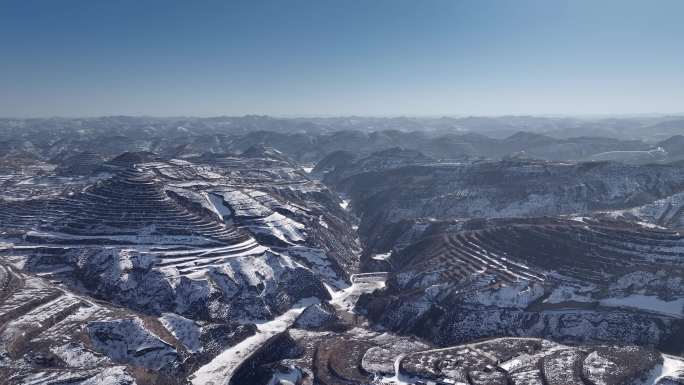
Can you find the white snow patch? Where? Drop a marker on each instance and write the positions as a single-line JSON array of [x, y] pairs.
[[518, 294], [647, 302], [75, 355], [279, 226], [110, 376], [185, 330], [361, 283], [565, 293], [382, 257], [127, 340], [289, 377], [671, 367], [218, 207], [316, 260], [402, 379]]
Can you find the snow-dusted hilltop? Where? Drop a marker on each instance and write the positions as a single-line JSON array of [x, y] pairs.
[[194, 252], [165, 236], [145, 251], [572, 280]]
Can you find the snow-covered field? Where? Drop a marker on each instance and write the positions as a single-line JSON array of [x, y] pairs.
[[361, 283], [649, 303]]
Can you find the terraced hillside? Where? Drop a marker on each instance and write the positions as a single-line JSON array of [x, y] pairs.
[[83, 163], [573, 280], [125, 209], [667, 212], [45, 336], [50, 334], [513, 188], [162, 236], [365, 357], [187, 254], [218, 260]]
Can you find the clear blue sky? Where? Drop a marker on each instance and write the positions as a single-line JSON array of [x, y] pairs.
[[321, 57]]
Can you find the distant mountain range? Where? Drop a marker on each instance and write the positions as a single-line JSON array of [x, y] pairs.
[[635, 140]]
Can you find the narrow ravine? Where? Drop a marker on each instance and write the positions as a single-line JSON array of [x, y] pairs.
[[221, 369]]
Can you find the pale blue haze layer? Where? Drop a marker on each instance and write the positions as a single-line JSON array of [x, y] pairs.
[[374, 57]]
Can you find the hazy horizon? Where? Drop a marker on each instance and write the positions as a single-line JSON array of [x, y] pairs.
[[592, 116]]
